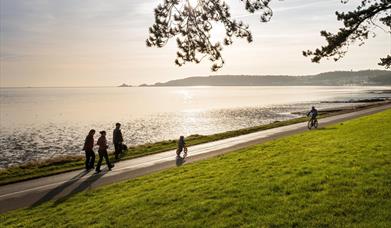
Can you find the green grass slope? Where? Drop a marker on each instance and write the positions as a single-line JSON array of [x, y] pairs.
[[337, 176]]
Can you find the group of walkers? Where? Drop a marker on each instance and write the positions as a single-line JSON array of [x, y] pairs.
[[102, 151], [119, 146]]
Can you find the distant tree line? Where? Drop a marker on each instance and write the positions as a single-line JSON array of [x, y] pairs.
[[337, 78]]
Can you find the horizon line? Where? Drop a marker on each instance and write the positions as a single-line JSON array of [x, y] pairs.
[[153, 83]]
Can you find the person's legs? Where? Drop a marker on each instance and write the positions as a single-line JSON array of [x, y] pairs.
[[106, 156], [92, 160], [116, 150], [88, 159], [119, 149], [99, 162], [178, 151]]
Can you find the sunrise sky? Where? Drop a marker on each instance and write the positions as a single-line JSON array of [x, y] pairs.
[[102, 43]]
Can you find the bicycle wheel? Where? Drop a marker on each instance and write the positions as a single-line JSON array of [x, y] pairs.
[[309, 124], [316, 123]]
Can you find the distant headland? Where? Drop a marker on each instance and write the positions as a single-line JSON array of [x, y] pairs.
[[336, 78], [125, 85]]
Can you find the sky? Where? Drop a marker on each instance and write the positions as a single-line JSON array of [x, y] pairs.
[[102, 43]]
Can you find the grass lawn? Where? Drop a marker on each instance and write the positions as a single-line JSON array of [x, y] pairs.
[[336, 176]]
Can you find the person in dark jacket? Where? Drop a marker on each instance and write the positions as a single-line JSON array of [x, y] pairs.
[[117, 140], [313, 113], [102, 143], [88, 148]]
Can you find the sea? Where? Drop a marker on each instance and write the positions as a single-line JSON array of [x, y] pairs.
[[42, 123]]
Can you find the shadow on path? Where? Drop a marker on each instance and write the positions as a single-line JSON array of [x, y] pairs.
[[57, 190], [327, 129], [82, 186], [179, 161], [72, 190]]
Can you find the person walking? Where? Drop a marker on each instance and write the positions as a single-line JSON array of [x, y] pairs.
[[102, 142], [117, 140], [88, 148]]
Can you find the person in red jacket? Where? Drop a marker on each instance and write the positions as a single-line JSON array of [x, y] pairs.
[[88, 148], [102, 143]]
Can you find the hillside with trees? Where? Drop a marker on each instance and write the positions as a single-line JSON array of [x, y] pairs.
[[336, 78]]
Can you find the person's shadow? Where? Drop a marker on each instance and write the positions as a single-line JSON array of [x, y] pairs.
[[179, 160], [60, 189], [57, 190], [327, 129], [81, 187]]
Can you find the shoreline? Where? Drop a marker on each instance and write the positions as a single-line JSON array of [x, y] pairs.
[[42, 168]]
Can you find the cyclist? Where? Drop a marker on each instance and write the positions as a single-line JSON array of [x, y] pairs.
[[313, 114], [181, 147]]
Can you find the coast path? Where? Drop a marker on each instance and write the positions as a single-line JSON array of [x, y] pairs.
[[34, 192]]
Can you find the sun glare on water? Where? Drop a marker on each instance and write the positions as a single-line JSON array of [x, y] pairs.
[[185, 95]]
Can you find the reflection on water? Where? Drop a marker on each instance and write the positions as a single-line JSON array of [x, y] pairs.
[[43, 123]]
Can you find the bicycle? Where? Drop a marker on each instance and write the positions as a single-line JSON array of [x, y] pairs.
[[184, 153], [313, 122]]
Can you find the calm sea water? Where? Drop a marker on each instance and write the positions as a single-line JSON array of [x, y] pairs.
[[40, 123]]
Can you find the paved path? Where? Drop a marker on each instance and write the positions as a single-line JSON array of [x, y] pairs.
[[34, 192]]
